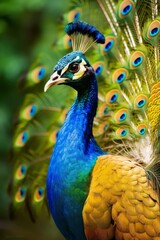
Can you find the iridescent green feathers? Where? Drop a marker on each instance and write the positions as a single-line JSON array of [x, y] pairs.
[[131, 64]]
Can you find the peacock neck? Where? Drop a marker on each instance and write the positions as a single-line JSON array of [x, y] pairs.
[[73, 158], [87, 99], [84, 109]]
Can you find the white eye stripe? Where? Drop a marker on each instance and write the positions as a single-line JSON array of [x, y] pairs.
[[65, 69], [81, 70], [67, 66]]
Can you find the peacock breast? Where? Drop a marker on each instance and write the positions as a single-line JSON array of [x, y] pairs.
[[67, 189]]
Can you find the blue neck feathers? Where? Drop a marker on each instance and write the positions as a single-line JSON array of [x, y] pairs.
[[72, 161]]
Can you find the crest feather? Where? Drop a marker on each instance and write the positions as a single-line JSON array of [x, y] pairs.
[[83, 35]]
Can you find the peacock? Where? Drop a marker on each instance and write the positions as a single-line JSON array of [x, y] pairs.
[[103, 179]]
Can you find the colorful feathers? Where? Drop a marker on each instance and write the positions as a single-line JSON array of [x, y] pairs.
[[92, 196]]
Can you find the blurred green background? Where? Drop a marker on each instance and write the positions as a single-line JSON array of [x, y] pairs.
[[27, 27]]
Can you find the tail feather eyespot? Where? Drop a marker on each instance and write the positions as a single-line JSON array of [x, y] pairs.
[[74, 15], [120, 75], [29, 112], [122, 132], [67, 42], [125, 9], [21, 172], [140, 101], [21, 139], [141, 129], [39, 194], [98, 67], [20, 194], [108, 45], [153, 29], [121, 115], [112, 96], [37, 75], [137, 59]]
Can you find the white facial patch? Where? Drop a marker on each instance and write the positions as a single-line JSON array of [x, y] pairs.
[[81, 70], [66, 67]]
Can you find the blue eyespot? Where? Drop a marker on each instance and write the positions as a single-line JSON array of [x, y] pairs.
[[141, 103], [41, 73], [22, 192], [123, 117], [98, 70], [69, 42], [154, 32], [137, 61], [109, 45], [23, 169], [123, 133], [121, 77], [142, 131], [77, 16], [33, 110], [126, 10], [40, 192], [24, 137], [106, 110], [114, 98]]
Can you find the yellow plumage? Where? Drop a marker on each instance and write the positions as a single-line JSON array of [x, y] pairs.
[[121, 202], [154, 107]]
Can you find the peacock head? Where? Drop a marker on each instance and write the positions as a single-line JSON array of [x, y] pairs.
[[74, 69]]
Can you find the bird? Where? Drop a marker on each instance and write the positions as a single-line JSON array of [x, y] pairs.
[[103, 179]]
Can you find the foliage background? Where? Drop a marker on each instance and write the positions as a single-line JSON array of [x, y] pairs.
[[27, 27]]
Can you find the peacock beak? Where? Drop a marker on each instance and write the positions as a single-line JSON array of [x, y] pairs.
[[54, 80]]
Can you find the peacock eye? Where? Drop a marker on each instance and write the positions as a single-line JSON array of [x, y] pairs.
[[74, 67]]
